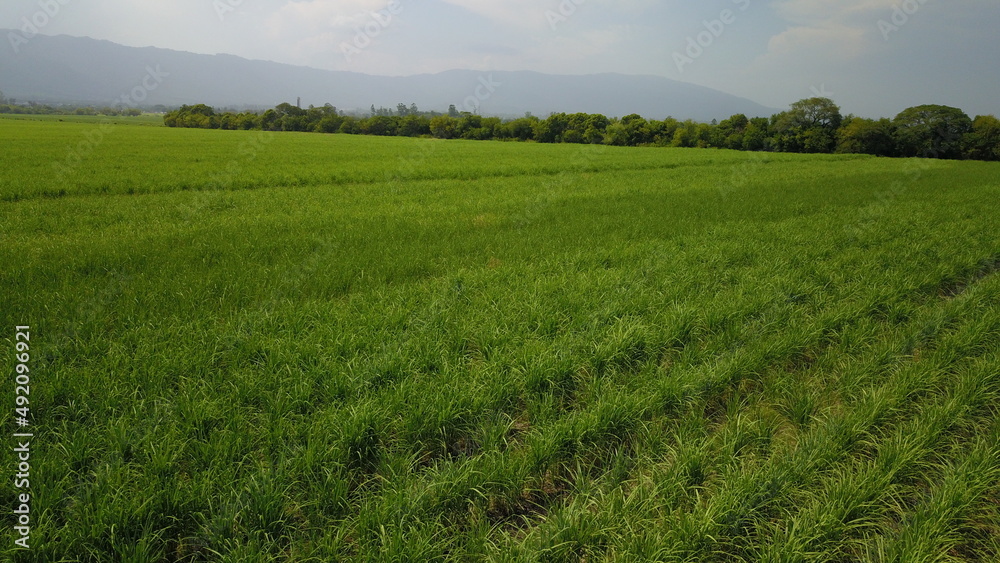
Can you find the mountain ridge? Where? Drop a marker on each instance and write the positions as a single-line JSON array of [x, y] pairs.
[[66, 69]]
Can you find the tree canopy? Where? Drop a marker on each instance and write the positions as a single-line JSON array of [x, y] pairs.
[[813, 125], [931, 131]]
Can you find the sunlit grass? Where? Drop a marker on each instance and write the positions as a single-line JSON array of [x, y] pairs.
[[404, 349]]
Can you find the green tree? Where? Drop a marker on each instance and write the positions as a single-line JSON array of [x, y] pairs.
[[521, 129], [931, 131], [576, 126], [286, 108], [704, 135], [809, 126], [468, 126], [248, 121], [616, 134], [816, 112], [636, 130], [594, 128], [983, 141], [551, 130], [663, 133], [491, 127], [200, 115], [859, 135], [350, 125], [573, 136], [294, 123], [443, 126], [729, 133], [756, 135], [313, 115], [686, 135], [414, 125], [270, 121], [329, 124], [691, 134], [381, 125], [199, 109]]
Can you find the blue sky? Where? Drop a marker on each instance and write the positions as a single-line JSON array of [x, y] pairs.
[[873, 57]]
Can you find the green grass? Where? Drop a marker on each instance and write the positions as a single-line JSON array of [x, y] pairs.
[[148, 119], [252, 347]]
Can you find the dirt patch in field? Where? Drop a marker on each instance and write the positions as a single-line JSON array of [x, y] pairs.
[[518, 514]]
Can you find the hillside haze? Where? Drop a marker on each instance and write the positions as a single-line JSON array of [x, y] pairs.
[[63, 69]]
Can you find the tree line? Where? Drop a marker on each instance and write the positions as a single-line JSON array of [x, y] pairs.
[[813, 125], [11, 106], [42, 109]]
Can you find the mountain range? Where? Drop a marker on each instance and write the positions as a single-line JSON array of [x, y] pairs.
[[81, 70]]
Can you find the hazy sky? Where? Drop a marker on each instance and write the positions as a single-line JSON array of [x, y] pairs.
[[873, 57]]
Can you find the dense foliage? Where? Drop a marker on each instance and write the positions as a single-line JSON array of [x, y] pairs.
[[814, 125]]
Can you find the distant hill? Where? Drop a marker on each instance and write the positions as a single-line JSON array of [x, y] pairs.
[[63, 69]]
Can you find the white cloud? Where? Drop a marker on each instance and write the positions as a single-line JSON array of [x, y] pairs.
[[586, 44], [821, 34], [295, 18], [313, 32], [821, 12], [536, 15], [525, 14], [830, 42]]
